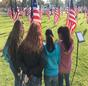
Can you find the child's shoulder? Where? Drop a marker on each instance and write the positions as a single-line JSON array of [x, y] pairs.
[[57, 44]]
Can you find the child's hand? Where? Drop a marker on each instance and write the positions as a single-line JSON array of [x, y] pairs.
[[66, 53], [30, 77], [26, 79], [20, 73]]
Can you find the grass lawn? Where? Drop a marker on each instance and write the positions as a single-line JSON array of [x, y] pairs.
[[81, 77]]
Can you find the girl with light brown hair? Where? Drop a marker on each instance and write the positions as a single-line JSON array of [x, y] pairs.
[[30, 55]]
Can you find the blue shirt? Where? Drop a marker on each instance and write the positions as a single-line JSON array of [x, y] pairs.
[[7, 57], [6, 54], [52, 61]]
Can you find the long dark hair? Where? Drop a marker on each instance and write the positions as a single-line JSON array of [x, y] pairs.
[[34, 40], [49, 40], [65, 36], [15, 38]]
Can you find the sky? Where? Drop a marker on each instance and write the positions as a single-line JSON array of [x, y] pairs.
[[45, 0]]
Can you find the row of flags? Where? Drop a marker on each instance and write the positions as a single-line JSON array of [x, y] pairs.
[[13, 12], [35, 11], [35, 14]]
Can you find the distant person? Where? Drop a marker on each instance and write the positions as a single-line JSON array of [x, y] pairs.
[[10, 49], [30, 58], [52, 60], [66, 44]]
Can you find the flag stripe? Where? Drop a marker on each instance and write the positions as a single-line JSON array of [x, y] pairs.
[[56, 15], [35, 12], [71, 17]]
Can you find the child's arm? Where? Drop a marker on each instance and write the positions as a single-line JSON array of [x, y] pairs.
[[70, 50]]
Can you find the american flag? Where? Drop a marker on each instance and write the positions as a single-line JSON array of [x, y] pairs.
[[9, 12], [87, 16], [28, 13], [14, 13], [77, 10], [41, 13], [56, 15], [48, 13], [35, 16], [71, 18]]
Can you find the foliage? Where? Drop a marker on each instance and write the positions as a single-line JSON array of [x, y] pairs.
[[24, 3], [29, 2], [56, 3], [83, 3], [5, 2]]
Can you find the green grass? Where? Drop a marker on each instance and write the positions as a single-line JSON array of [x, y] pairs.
[[81, 77]]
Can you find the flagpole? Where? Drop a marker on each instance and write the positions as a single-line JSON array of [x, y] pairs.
[[15, 6], [22, 5], [31, 10]]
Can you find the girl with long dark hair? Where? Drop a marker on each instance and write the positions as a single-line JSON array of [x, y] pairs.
[[52, 60], [66, 44], [10, 49]]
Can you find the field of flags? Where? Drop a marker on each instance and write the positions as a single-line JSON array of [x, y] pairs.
[[81, 78], [34, 13], [53, 19]]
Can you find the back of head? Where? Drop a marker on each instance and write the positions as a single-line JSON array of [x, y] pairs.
[[65, 36], [49, 32], [18, 28], [15, 37], [49, 40], [34, 40]]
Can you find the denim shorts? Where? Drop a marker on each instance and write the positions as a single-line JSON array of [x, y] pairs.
[[51, 80], [34, 82]]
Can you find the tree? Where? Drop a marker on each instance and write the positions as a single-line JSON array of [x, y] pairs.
[[56, 2], [24, 3], [29, 3], [0, 4], [5, 3], [40, 2], [83, 3]]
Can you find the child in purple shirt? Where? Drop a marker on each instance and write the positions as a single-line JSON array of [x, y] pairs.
[[66, 44]]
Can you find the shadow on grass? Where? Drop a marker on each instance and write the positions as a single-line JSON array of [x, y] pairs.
[[81, 23], [44, 22], [79, 18], [44, 27], [2, 34], [53, 26]]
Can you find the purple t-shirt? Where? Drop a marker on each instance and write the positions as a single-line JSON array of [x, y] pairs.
[[65, 64]]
